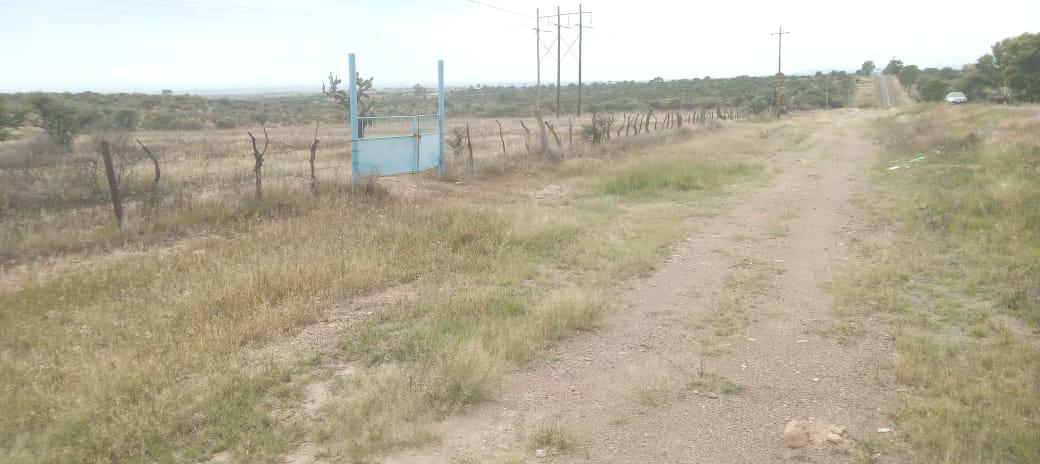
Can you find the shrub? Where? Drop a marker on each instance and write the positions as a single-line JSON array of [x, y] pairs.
[[932, 89], [11, 117], [172, 121], [127, 119], [59, 119]]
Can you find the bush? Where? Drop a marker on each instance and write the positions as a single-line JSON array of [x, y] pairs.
[[172, 121], [598, 130], [932, 89], [456, 140], [127, 119], [59, 119], [11, 117]]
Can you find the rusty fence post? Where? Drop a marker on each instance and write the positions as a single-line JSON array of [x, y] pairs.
[[469, 146]]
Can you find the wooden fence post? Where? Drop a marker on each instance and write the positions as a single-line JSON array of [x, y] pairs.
[[153, 198], [570, 132], [113, 187], [501, 137], [527, 137], [552, 130], [469, 145], [314, 154]]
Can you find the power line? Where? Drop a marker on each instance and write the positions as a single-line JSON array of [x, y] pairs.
[[559, 41], [173, 4], [232, 12], [499, 8]]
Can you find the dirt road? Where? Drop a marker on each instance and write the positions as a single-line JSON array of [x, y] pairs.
[[712, 355]]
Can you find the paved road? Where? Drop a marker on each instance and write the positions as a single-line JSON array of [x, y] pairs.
[[885, 92]]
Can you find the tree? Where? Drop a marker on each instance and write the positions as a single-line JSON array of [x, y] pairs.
[[988, 70], [60, 120], [127, 119], [977, 78], [419, 91], [893, 67], [973, 83], [1019, 61], [262, 118], [343, 97], [908, 75], [167, 92], [868, 68], [932, 89], [364, 104], [11, 117]]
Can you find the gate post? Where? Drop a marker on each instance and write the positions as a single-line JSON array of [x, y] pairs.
[[440, 115], [416, 140], [353, 122]]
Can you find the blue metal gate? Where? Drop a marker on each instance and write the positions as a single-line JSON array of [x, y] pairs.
[[390, 145]]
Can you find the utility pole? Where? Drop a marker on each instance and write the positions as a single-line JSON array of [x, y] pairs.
[[544, 50], [559, 49], [580, 29], [538, 57], [779, 75]]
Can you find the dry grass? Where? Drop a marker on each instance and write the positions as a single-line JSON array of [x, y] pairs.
[[140, 352], [53, 203], [553, 438], [865, 95], [960, 280]]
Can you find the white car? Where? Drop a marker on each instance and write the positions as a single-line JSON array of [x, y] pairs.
[[956, 98]]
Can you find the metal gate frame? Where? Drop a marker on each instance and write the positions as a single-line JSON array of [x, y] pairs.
[[398, 153]]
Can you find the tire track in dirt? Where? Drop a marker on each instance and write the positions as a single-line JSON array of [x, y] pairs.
[[666, 340]]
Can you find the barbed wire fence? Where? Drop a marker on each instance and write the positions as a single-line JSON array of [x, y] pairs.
[[601, 129]]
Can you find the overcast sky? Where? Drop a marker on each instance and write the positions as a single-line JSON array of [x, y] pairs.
[[196, 45]]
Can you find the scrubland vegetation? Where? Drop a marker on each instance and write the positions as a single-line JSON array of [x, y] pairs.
[[188, 112], [954, 268]]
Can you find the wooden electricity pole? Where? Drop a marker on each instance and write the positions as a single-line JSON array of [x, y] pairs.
[[544, 50], [580, 29], [559, 49], [779, 75], [538, 57]]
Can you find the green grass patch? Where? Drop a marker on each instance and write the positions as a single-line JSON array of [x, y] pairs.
[[656, 177]]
